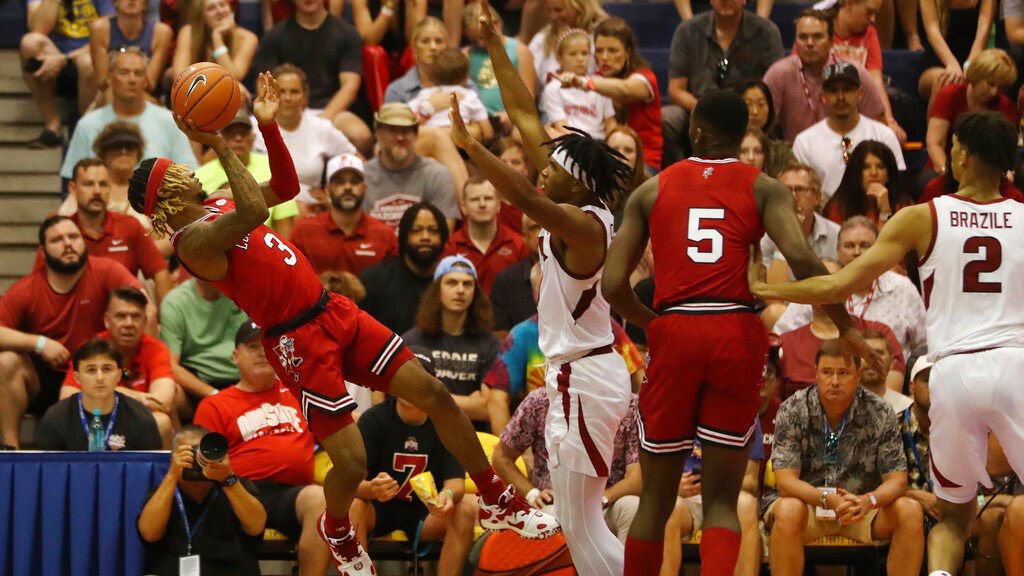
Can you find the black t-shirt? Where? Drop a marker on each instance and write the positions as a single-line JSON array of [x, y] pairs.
[[512, 295], [402, 451], [134, 427], [459, 361], [223, 548], [331, 49], [392, 294]]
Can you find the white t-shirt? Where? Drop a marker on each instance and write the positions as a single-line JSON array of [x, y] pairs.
[[470, 106], [580, 109], [548, 63], [312, 144], [821, 148]]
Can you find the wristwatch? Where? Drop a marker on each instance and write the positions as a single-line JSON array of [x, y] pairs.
[[823, 501], [230, 481], [874, 501]]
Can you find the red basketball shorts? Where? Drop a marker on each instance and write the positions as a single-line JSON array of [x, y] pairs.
[[704, 374], [341, 343]]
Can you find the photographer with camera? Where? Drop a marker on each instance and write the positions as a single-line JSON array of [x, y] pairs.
[[202, 518]]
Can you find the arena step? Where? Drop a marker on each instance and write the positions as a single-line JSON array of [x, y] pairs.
[[13, 85], [18, 260], [18, 133], [26, 209], [19, 109], [19, 234], [21, 160], [46, 183]]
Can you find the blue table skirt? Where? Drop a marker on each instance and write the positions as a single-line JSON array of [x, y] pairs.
[[74, 513]]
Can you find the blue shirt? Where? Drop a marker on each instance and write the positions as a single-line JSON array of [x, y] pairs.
[[159, 131]]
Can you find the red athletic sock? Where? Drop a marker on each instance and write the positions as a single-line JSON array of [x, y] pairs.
[[643, 557], [336, 528], [719, 549], [489, 485]]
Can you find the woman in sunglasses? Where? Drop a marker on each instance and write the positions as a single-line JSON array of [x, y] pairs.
[[871, 186]]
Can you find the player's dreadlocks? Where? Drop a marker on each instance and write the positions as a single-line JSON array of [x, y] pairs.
[[601, 168], [170, 197]]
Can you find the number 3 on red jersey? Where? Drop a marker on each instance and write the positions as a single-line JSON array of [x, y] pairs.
[[273, 241], [701, 236]]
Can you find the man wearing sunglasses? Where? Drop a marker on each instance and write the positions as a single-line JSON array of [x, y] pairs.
[[826, 146], [840, 470]]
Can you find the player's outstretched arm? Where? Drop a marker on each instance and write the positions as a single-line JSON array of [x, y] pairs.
[[518, 100], [565, 221], [625, 253], [284, 182]]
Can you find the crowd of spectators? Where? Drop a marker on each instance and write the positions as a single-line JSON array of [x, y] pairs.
[[391, 215]]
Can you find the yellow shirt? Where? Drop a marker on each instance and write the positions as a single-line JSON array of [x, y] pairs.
[[213, 178]]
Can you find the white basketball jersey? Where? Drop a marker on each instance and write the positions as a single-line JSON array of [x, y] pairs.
[[973, 276], [573, 316]]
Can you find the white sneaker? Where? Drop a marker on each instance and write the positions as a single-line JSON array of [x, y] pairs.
[[513, 513], [349, 561]]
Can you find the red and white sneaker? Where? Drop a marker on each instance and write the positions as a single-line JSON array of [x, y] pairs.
[[348, 553], [513, 513]]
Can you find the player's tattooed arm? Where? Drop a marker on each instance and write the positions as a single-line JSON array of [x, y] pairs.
[[519, 101], [625, 253]]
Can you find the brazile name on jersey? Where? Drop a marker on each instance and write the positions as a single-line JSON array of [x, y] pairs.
[[981, 221]]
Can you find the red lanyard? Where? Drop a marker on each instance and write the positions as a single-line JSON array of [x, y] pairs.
[[867, 303], [812, 103]]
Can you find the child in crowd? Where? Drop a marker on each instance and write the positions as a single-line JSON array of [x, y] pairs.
[[566, 106], [451, 74]]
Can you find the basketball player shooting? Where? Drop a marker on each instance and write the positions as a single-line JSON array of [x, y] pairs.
[[319, 339], [587, 382], [707, 347], [972, 271]]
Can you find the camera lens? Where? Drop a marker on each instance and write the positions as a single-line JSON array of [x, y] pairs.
[[213, 447]]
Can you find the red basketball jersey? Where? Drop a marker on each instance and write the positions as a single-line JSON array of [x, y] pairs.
[[268, 278], [702, 225]]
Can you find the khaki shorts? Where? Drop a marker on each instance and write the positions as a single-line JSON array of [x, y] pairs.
[[821, 527]]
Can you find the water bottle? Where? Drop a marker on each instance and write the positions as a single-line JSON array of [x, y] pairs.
[[97, 433]]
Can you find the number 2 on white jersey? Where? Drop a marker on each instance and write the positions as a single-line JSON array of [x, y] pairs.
[[274, 242], [696, 234]]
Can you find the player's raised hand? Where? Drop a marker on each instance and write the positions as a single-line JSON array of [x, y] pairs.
[[211, 139], [268, 98], [488, 31], [854, 342], [460, 135]]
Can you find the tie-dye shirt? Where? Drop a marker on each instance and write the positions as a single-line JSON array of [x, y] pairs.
[[520, 367]]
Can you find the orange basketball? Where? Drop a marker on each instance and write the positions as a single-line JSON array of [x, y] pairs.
[[207, 94]]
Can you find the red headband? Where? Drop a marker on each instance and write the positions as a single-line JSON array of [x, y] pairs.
[[156, 179]]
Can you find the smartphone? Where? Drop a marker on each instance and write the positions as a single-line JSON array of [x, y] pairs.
[[32, 65]]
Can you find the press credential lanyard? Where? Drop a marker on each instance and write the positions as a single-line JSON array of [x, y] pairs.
[[190, 533]]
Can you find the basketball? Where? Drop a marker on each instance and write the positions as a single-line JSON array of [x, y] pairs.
[[207, 94]]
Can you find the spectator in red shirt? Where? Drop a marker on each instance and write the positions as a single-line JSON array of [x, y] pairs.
[[797, 362], [491, 246], [987, 78], [269, 442], [147, 375], [45, 314], [345, 238], [107, 234]]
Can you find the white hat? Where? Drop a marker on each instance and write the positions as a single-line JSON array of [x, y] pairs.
[[922, 364], [343, 162]]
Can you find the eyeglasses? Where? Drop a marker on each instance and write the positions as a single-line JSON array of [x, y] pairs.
[[721, 69], [831, 448], [847, 145]]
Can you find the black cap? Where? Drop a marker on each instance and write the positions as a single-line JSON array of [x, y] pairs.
[[423, 355], [247, 331], [120, 137], [840, 70]]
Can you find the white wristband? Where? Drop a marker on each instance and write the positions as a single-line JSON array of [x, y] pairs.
[[219, 52], [40, 344], [386, 11], [532, 497]]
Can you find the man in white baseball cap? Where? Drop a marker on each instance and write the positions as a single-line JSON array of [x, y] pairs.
[[345, 238]]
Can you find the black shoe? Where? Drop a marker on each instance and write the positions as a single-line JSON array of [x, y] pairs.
[[46, 139]]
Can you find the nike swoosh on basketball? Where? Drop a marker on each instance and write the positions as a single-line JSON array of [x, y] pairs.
[[195, 84]]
